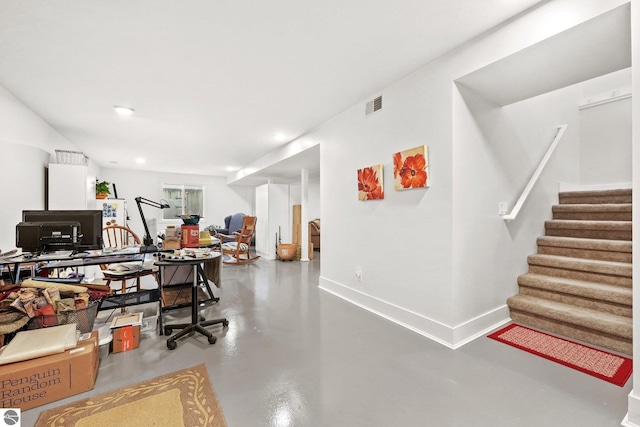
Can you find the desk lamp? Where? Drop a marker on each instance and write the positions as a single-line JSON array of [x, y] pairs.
[[148, 240]]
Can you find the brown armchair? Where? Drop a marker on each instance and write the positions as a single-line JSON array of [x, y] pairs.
[[314, 233], [238, 250]]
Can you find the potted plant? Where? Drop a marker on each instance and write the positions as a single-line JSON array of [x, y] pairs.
[[212, 229], [102, 189]]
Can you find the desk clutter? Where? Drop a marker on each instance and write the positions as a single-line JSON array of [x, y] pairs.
[[57, 331], [187, 236], [42, 365], [186, 254], [40, 304]]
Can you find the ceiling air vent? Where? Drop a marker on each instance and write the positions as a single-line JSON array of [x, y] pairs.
[[375, 105]]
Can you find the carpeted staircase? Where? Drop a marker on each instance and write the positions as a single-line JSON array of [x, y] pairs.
[[579, 282]]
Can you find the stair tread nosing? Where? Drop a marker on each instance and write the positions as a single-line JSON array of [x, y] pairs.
[[587, 224], [585, 243], [582, 264], [600, 291], [590, 193], [592, 207], [591, 319]]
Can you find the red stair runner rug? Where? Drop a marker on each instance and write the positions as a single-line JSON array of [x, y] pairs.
[[600, 364]]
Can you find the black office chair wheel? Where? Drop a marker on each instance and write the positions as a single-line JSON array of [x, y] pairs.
[[212, 340], [225, 323], [171, 345], [168, 330]]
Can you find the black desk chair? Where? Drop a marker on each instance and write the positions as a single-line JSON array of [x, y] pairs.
[[196, 325]]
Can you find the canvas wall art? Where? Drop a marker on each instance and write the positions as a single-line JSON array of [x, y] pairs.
[[370, 183], [411, 168]]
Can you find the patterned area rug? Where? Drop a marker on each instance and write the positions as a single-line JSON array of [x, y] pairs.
[[600, 364], [182, 398]]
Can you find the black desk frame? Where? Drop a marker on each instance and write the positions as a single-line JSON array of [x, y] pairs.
[[196, 324], [64, 261]]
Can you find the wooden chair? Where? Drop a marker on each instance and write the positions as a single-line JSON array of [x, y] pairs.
[[119, 236], [239, 248]]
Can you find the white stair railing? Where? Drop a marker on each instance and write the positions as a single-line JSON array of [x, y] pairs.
[[535, 176]]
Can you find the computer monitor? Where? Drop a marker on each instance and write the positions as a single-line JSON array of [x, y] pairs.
[[90, 224]]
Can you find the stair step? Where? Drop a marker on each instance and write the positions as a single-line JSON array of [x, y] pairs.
[[612, 230], [602, 329], [612, 273], [601, 249], [598, 296], [598, 212], [601, 196]]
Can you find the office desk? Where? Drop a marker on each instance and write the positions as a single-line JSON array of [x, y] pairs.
[[54, 261]]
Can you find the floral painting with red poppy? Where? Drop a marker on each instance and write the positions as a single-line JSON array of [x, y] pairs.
[[411, 168], [370, 183]]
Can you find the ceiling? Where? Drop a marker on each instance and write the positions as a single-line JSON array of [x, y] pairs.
[[599, 46], [218, 78]]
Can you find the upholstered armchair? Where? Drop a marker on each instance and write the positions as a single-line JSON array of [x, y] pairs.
[[314, 233], [232, 223]]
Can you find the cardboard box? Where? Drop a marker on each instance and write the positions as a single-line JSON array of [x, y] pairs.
[[171, 231], [125, 338], [171, 243], [126, 332], [36, 382]]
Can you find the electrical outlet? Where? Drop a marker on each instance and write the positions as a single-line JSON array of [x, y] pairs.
[[359, 275], [502, 208]]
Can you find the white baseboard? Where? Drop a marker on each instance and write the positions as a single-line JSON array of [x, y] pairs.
[[626, 422], [633, 412], [452, 337]]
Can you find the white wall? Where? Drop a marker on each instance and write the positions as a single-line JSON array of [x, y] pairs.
[[23, 169], [221, 199], [440, 260], [605, 140], [274, 217], [27, 144], [496, 150], [313, 206], [503, 145]]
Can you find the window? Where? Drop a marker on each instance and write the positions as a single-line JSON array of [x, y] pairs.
[[182, 200]]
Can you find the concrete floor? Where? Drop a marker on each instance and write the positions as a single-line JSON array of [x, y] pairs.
[[294, 355]]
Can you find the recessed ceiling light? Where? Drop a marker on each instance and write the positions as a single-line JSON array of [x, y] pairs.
[[123, 111], [232, 168], [279, 137], [140, 160]]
